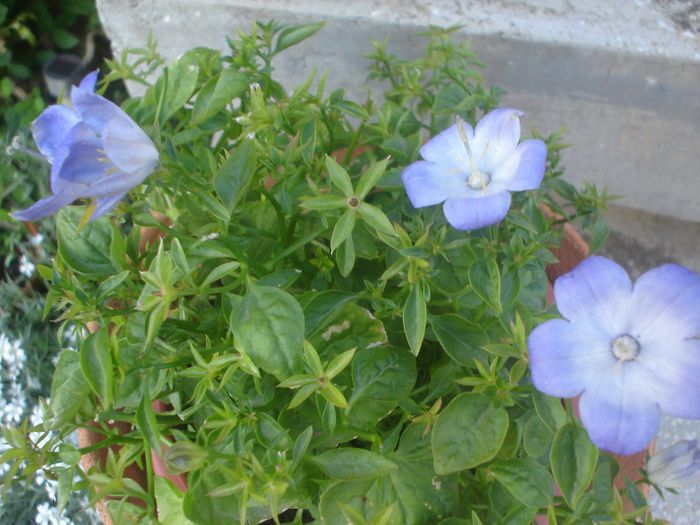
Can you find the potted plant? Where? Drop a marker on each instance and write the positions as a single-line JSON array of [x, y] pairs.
[[322, 339]]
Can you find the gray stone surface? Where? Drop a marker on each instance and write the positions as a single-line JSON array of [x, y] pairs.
[[623, 76]]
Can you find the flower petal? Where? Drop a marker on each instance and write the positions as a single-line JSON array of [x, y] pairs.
[[46, 206], [618, 413], [565, 359], [530, 172], [79, 133], [89, 81], [105, 204], [666, 300], [595, 293], [468, 213], [428, 183], [51, 128], [86, 162], [111, 185], [96, 111], [673, 375], [496, 136], [447, 149], [128, 146]]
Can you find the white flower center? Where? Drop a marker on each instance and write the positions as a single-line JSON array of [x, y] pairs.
[[477, 180], [625, 347]]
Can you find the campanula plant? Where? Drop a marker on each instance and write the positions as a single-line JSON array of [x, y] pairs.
[[284, 320]]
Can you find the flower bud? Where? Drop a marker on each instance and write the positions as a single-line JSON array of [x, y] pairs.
[[184, 456], [676, 465]]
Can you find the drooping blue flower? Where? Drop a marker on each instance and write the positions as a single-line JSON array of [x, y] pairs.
[[473, 171], [95, 151], [675, 466], [628, 350]]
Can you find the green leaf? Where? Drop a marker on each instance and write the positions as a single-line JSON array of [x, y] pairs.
[[324, 202], [86, 251], [352, 108], [353, 464], [218, 92], [343, 228], [323, 307], [169, 503], [371, 177], [233, 179], [146, 422], [599, 234], [550, 410], [520, 516], [415, 315], [345, 257], [376, 219], [537, 437], [181, 82], [269, 326], [350, 493], [96, 363], [292, 35], [526, 479], [460, 338], [467, 433], [111, 283], [339, 177], [485, 279], [70, 390], [381, 377], [422, 496], [573, 459], [63, 39]]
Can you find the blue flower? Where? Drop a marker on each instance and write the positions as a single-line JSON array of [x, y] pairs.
[[473, 171], [630, 351], [95, 150], [675, 466]]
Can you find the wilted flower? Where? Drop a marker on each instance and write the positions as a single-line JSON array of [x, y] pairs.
[[95, 150], [628, 350], [473, 171], [675, 466]]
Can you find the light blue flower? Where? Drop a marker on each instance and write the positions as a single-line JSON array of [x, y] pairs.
[[675, 466], [95, 150], [629, 350], [474, 171]]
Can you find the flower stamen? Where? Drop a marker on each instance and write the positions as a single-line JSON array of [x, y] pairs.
[[477, 180], [625, 347]]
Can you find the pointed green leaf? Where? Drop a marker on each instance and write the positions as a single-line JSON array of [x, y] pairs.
[[370, 178], [269, 327], [96, 363], [343, 228], [292, 35], [376, 219], [415, 314], [233, 179], [353, 463], [468, 432], [573, 459], [339, 177]]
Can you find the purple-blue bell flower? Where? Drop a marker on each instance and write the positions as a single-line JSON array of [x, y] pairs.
[[95, 150], [473, 171], [628, 350], [675, 466]]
